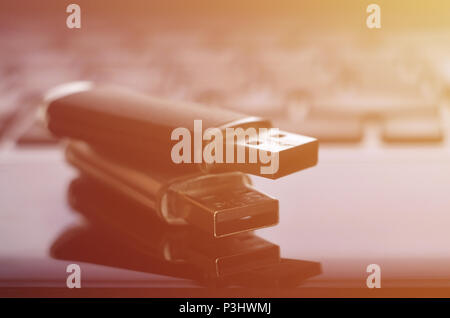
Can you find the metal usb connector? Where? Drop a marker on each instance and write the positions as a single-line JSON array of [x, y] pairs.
[[221, 204]]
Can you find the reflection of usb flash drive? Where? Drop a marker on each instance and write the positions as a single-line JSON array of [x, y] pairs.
[[221, 204], [109, 212], [131, 123], [94, 244]]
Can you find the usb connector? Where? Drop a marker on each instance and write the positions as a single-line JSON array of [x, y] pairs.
[[225, 204], [286, 153], [268, 152], [221, 204]]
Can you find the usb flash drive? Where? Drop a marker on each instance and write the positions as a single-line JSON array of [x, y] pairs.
[[134, 124], [221, 204]]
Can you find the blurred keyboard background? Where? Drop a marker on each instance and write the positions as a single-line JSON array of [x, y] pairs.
[[353, 88]]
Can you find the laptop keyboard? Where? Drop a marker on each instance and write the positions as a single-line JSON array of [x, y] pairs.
[[330, 88]]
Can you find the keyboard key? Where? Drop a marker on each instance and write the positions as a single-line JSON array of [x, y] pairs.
[[257, 102], [5, 123], [307, 68], [370, 104], [39, 80], [9, 106], [210, 97], [412, 129], [339, 130], [143, 79], [36, 134]]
